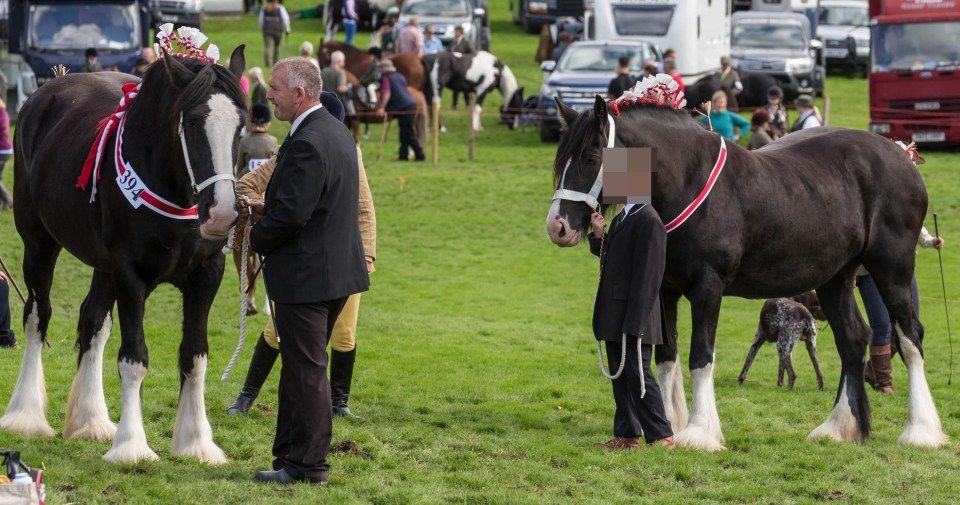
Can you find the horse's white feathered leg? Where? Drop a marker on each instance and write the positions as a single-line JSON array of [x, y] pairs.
[[477, 126], [670, 378], [26, 412], [923, 422], [130, 441], [87, 416], [842, 424], [703, 428], [192, 435]]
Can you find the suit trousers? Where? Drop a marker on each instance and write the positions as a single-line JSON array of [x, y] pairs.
[[305, 415], [7, 335], [636, 416], [408, 137]]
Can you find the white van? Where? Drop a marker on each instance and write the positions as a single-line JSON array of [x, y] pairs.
[[698, 30]]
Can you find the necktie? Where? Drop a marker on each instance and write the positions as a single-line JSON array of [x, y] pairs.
[[616, 221]]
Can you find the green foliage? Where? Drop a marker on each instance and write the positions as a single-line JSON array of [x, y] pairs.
[[477, 367]]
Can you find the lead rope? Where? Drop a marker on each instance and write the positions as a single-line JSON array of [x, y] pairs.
[[240, 236], [623, 361]]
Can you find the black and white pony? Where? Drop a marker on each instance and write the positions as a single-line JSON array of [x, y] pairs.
[[802, 213], [160, 213], [478, 73]]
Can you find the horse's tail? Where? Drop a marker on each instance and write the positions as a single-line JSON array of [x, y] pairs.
[[508, 82]]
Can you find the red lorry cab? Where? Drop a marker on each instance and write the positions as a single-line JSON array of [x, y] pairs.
[[915, 70]]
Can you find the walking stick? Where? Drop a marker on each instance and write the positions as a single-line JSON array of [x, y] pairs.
[[943, 283], [12, 281], [383, 136]]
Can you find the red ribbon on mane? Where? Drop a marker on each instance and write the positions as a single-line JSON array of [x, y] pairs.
[[105, 128]]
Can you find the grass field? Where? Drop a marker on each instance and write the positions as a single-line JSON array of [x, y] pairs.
[[477, 368]]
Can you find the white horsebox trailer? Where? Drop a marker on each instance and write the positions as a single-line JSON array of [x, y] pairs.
[[699, 30]]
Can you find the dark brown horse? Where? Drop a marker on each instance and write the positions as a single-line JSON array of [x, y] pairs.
[[162, 212], [802, 213], [362, 64], [367, 115]]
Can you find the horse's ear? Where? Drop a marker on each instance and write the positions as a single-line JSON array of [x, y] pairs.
[[238, 62], [565, 114], [177, 73], [600, 110]]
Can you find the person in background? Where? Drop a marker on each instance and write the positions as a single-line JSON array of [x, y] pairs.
[[809, 115], [149, 54], [461, 44], [140, 66], [623, 81], [758, 129], [306, 52], [256, 147], [349, 21], [410, 39], [8, 338], [431, 44], [878, 371], [564, 40], [724, 122], [670, 67], [258, 86], [385, 37], [729, 80], [274, 23], [396, 100], [251, 6], [93, 61], [306, 229], [6, 151], [334, 78], [778, 113], [343, 339]]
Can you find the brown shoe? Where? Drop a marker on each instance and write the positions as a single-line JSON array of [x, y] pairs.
[[665, 442], [878, 371], [621, 443]]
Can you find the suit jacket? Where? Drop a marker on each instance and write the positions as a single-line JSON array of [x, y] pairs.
[[632, 265], [309, 232]]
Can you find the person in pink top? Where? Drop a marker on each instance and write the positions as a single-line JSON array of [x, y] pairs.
[[410, 39], [6, 150]]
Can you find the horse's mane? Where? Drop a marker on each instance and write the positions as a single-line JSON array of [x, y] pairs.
[[580, 133], [158, 95]]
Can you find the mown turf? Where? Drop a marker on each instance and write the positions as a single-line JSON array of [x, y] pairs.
[[477, 368]]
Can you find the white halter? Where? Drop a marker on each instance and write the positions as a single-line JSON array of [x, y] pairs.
[[197, 188], [590, 197]]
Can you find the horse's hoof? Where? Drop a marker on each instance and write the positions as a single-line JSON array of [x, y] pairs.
[[204, 452], [93, 430], [921, 436], [695, 437], [130, 452], [26, 425]]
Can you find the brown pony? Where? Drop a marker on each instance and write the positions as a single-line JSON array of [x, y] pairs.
[[360, 63], [366, 115]]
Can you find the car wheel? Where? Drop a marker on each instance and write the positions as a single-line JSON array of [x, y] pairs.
[[548, 134]]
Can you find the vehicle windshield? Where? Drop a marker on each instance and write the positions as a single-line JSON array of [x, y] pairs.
[[602, 58], [642, 19], [843, 15], [81, 26], [764, 36], [437, 8], [916, 46]]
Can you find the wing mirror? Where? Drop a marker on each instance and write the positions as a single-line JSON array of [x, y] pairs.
[[548, 66]]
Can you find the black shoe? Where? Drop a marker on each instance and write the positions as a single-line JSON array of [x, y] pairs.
[[344, 411], [282, 477], [421, 158], [403, 159], [241, 405]]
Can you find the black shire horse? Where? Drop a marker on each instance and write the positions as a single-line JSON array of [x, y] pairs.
[[182, 127], [478, 73], [803, 213]]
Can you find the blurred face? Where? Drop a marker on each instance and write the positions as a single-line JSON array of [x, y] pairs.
[[287, 102], [720, 104], [774, 100]]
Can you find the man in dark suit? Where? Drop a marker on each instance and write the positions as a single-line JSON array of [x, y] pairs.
[[627, 316], [307, 230]]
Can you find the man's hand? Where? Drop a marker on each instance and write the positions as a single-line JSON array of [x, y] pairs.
[[369, 267], [381, 112], [938, 242], [598, 223], [251, 208]]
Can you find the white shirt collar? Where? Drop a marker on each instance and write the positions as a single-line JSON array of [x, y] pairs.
[[626, 209], [296, 122]]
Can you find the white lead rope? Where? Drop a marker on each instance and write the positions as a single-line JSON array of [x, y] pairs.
[[244, 298], [623, 361]]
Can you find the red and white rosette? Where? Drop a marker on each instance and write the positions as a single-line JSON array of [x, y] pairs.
[[660, 89]]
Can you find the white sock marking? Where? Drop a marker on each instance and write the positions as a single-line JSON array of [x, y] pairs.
[[26, 412], [192, 435], [87, 415], [703, 428], [923, 423], [130, 441]]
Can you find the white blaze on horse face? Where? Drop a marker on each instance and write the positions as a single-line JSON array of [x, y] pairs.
[[26, 412], [130, 441], [220, 126], [558, 227], [87, 416], [923, 423], [435, 80], [192, 435]]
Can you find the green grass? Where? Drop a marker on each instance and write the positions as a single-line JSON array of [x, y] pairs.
[[477, 369]]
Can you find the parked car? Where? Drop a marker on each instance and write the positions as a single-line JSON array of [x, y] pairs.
[[778, 44], [223, 7], [839, 20], [444, 15], [179, 12], [533, 14], [583, 72]]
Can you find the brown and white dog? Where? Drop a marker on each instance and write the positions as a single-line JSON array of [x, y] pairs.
[[787, 321]]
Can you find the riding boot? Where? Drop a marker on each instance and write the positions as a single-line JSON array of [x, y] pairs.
[[879, 370], [341, 375], [261, 363], [6, 201]]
